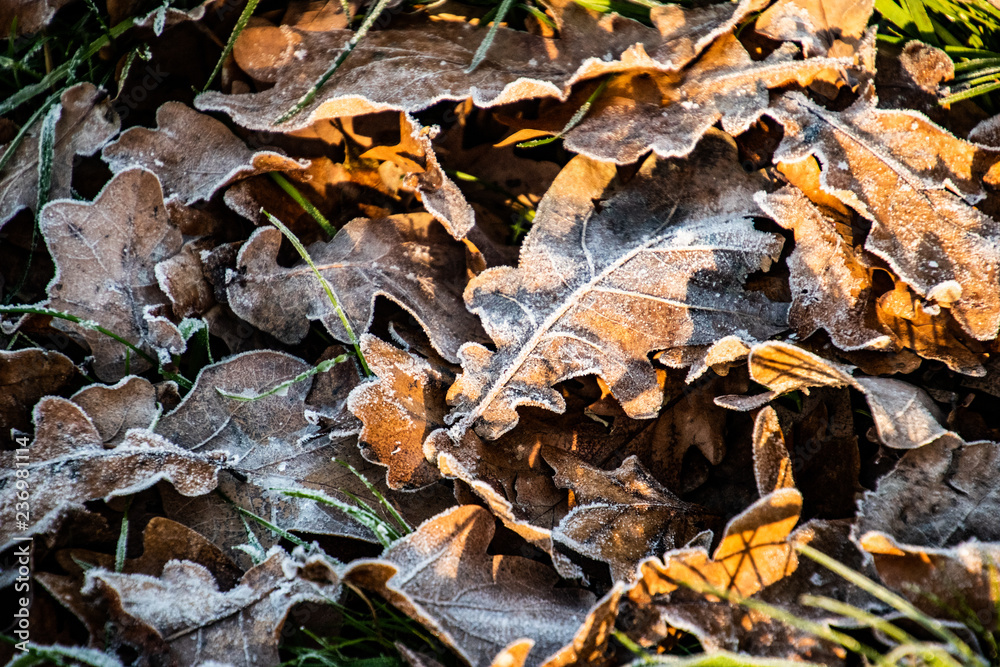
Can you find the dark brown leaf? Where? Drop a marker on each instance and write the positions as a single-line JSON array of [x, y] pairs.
[[26, 376]]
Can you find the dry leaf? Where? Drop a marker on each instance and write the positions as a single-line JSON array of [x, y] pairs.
[[771, 462], [119, 408], [200, 623], [31, 15], [68, 465], [105, 253], [194, 154], [399, 410], [407, 258], [86, 122], [26, 376], [956, 501], [823, 27], [831, 287], [929, 331], [660, 264], [182, 279], [475, 603], [916, 182], [669, 113], [620, 516]]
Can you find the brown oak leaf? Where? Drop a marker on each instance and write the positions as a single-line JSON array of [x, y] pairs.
[[916, 182], [25, 377], [105, 253], [475, 603], [68, 465], [116, 409], [658, 264], [823, 27], [407, 258], [85, 123]]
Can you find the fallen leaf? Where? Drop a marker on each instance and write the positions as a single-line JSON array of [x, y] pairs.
[[593, 295], [68, 465], [771, 462], [823, 27], [25, 377], [407, 258], [956, 502], [621, 516], [31, 15], [916, 182], [831, 286], [186, 174], [182, 279], [199, 623], [105, 253], [115, 410], [399, 410], [86, 122], [475, 603]]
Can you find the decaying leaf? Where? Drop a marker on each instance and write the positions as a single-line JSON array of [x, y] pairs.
[[670, 112], [831, 287], [114, 410], [105, 253], [659, 264], [187, 173], [68, 465], [407, 258], [956, 501], [916, 182], [399, 411], [31, 15], [477, 604], [771, 463], [519, 65], [621, 516], [201, 624], [26, 376], [823, 27], [86, 122]]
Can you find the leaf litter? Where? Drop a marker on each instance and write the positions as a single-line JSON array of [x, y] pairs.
[[584, 339]]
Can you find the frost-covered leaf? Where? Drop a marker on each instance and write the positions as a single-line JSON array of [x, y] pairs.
[[194, 154], [442, 576], [26, 376], [916, 182], [105, 253], [823, 27], [31, 15], [772, 465], [668, 113], [241, 626], [86, 122], [116, 409], [956, 501], [68, 465], [437, 54], [658, 263], [831, 287], [399, 409], [620, 516], [407, 258]]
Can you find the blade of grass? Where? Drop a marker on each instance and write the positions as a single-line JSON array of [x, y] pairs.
[[306, 205], [23, 132], [573, 122], [122, 545], [484, 46], [384, 532], [918, 14], [310, 95], [900, 604], [241, 23], [397, 517], [321, 367], [850, 611], [972, 92], [327, 287]]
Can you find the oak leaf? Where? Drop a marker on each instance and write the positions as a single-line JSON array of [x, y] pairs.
[[407, 258], [25, 377], [114, 410], [475, 603], [659, 264], [771, 463], [916, 182], [31, 15], [199, 623], [823, 27], [86, 121], [105, 253], [68, 465], [186, 174]]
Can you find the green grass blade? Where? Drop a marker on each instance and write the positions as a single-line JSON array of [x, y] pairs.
[[918, 14], [868, 619], [397, 517], [23, 132], [310, 95], [306, 205], [241, 23], [897, 602], [321, 367], [484, 46], [967, 94], [573, 122], [122, 546], [384, 532], [327, 287], [893, 13]]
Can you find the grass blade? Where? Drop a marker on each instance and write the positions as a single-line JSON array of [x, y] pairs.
[[241, 23], [122, 545], [868, 619], [397, 517], [484, 46], [384, 532], [573, 122], [321, 367], [306, 205], [327, 287]]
